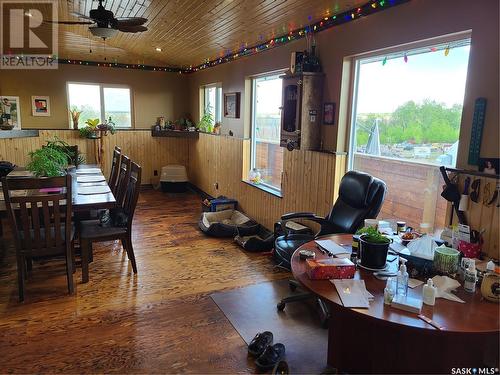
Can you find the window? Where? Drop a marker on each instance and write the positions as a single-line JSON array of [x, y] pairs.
[[102, 102], [407, 110], [213, 101], [266, 153]]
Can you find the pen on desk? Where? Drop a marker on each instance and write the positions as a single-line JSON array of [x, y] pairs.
[[431, 322]]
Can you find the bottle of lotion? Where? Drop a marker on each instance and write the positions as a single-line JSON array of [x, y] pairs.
[[402, 279], [470, 277], [429, 293]]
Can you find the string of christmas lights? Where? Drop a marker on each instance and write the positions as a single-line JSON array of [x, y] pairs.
[[369, 8]]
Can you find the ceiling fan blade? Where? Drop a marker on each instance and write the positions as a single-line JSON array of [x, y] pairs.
[[79, 15], [70, 22], [131, 21], [132, 28]]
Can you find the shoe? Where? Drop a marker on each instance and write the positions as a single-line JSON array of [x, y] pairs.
[[281, 368], [259, 343], [271, 356]]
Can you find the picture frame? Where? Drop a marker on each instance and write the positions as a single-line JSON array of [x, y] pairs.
[[10, 112], [40, 106], [232, 105], [489, 165], [329, 113]]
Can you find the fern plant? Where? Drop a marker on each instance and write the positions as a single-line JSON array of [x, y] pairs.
[[47, 162]]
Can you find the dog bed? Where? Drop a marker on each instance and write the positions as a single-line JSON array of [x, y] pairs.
[[227, 223], [262, 241]]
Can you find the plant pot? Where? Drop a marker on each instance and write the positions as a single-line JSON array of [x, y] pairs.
[[373, 255]]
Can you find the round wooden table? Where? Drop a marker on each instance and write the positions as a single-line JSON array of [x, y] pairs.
[[383, 339]]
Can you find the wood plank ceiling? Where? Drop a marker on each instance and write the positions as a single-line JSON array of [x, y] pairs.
[[188, 31]]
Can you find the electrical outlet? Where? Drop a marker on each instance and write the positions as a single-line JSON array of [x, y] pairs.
[[155, 172]]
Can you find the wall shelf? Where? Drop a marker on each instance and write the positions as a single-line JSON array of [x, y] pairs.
[[18, 133], [174, 133]]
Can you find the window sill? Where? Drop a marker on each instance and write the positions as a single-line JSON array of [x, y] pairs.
[[265, 188]]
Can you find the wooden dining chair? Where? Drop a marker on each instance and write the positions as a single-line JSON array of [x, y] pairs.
[[40, 222], [91, 231], [115, 168], [122, 179]]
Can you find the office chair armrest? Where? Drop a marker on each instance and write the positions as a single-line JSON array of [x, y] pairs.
[[326, 226]]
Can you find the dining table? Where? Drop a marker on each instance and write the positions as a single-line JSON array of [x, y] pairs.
[[89, 188]]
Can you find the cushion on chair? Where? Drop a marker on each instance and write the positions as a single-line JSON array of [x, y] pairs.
[[263, 240], [227, 223], [285, 246], [90, 229]]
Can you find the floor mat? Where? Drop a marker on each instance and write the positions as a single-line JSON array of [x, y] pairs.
[[252, 309]]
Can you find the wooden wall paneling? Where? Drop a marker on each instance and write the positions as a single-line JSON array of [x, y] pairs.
[[308, 178]]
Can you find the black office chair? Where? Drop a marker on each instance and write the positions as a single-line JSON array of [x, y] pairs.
[[360, 197]]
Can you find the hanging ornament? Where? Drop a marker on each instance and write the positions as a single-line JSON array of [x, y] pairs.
[[405, 58], [384, 61], [433, 49], [447, 51]]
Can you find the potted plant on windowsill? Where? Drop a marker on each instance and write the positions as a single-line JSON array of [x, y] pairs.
[[206, 124], [374, 247], [90, 130]]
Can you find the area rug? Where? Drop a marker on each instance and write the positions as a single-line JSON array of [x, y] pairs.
[[252, 309]]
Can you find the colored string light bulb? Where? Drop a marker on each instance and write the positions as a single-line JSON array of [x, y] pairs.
[[447, 51], [405, 58], [384, 61]]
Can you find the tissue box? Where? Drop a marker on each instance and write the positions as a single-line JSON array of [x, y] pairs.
[[330, 268]]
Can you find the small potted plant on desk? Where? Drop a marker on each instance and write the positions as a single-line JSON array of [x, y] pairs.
[[373, 248]]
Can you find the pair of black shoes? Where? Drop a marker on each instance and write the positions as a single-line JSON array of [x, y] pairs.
[[267, 354]]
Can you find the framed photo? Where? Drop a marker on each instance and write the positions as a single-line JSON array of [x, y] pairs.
[[329, 114], [40, 105], [232, 105], [10, 112], [489, 165]]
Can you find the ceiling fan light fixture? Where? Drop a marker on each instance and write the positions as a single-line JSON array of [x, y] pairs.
[[102, 32]]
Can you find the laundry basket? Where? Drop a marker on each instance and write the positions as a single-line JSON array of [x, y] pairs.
[[173, 179]]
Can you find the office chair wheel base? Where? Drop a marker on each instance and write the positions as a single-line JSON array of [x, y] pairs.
[[281, 306]]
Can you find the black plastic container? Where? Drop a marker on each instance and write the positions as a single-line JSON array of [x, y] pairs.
[[373, 255]]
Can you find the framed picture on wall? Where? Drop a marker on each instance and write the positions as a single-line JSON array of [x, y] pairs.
[[232, 105], [10, 112], [40, 105], [329, 114]]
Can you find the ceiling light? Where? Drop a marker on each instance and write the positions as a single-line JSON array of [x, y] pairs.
[[102, 32], [28, 14], [158, 49]]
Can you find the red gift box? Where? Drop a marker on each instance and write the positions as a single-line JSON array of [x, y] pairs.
[[330, 268]]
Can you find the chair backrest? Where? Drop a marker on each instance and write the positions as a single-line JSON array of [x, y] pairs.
[[40, 220], [122, 180], [360, 197], [115, 165], [132, 194], [118, 148]]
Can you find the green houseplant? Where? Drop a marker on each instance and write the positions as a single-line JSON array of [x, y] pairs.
[[206, 123], [52, 159], [374, 247]]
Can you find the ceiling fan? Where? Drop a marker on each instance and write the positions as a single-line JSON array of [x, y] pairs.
[[105, 25]]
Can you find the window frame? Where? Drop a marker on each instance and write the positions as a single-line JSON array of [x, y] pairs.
[[253, 139], [392, 52], [218, 101], [102, 106]]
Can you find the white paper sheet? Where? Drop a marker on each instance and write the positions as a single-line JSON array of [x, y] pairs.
[[90, 178], [94, 190], [353, 293]]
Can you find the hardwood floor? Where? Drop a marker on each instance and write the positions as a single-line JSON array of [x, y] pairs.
[[161, 320]]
